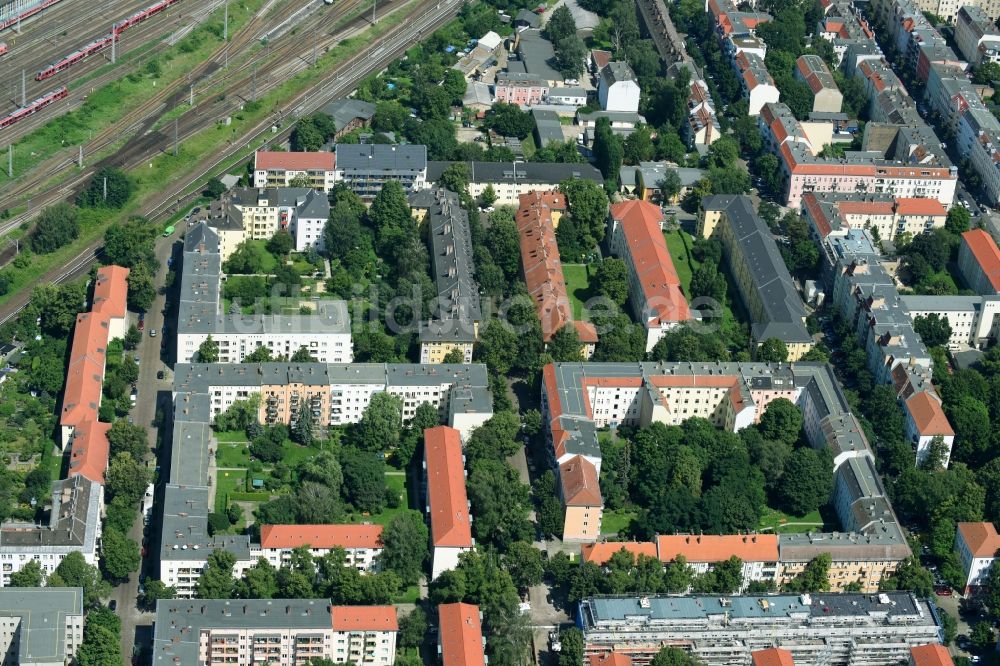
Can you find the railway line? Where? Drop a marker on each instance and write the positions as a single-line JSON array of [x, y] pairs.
[[426, 17]]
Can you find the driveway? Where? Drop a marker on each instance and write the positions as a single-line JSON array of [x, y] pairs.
[[152, 393]]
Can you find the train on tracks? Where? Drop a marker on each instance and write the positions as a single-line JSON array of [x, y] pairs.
[[21, 9], [34, 107], [104, 42], [3, 48]]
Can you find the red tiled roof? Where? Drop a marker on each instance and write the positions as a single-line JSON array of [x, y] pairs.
[[542, 267], [580, 486], [89, 452], [461, 635], [111, 291], [907, 206], [772, 657], [601, 58], [987, 255], [600, 553], [718, 548], [641, 224], [449, 509], [609, 659], [85, 375], [281, 161], [927, 415], [981, 538], [930, 655], [364, 618], [321, 536]]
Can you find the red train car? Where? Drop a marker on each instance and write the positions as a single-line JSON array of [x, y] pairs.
[[74, 57], [34, 107], [31, 11]]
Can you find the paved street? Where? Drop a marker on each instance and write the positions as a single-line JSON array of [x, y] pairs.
[[151, 393]]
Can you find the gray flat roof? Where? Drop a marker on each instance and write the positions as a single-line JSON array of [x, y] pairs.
[[356, 157], [43, 614], [538, 55]]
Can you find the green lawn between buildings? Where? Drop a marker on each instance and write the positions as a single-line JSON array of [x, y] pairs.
[[577, 278]]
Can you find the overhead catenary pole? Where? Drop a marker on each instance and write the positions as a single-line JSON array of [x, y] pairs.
[[192, 95], [24, 90], [253, 89], [374, 3], [175, 137], [105, 188], [225, 23], [114, 43], [80, 158], [10, 161]]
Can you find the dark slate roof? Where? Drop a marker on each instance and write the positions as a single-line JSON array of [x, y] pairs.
[[382, 157]]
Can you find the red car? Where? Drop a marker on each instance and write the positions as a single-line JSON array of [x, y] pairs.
[[943, 591], [141, 325]]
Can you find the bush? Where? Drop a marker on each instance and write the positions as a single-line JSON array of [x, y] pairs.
[[217, 522]]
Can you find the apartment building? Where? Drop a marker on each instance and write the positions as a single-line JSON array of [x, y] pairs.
[[977, 36], [460, 635], [758, 552], [886, 216], [301, 211], [830, 629], [279, 169], [609, 659], [580, 492], [759, 271], [617, 88], [756, 83], [457, 310], [974, 320], [519, 88], [447, 504], [273, 631], [510, 180], [654, 287], [579, 399], [644, 181], [977, 545], [728, 19], [40, 626], [364, 168], [74, 525], [326, 333], [202, 391], [702, 127], [979, 262], [925, 422], [771, 657], [906, 161], [362, 544], [844, 28], [811, 70], [535, 56], [536, 219]]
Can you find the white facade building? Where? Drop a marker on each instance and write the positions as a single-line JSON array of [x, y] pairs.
[[977, 545], [279, 169], [617, 89], [361, 543]]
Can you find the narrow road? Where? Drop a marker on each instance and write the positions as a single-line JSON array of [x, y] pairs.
[[152, 393]]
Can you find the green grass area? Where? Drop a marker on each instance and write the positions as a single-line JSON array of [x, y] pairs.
[[292, 454], [395, 482], [679, 245], [616, 520], [225, 483], [410, 595], [774, 520], [232, 454], [577, 278], [231, 436]]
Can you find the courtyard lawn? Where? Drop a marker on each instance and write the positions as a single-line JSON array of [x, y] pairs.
[[292, 454], [410, 595], [228, 481], [679, 245], [577, 278], [616, 520], [774, 520], [396, 483], [232, 454], [231, 436]]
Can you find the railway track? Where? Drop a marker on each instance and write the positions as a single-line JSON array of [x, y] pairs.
[[139, 119], [427, 17]]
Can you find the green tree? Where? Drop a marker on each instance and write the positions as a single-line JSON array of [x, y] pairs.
[[303, 430], [130, 438], [499, 503], [608, 153], [119, 555], [612, 280], [488, 197], [216, 580], [571, 642], [74, 571], [306, 137], [208, 351], [985, 73], [56, 226], [303, 355], [571, 54], [100, 646], [455, 177], [772, 350], [131, 243], [814, 578], [364, 479], [565, 344], [588, 206], [413, 628], [30, 575], [959, 218], [560, 25], [672, 656], [708, 282], [911, 576], [509, 120], [993, 589], [108, 188], [524, 564], [933, 329], [214, 188], [497, 347], [280, 244], [807, 482], [381, 423], [154, 590], [390, 116], [404, 549], [982, 635], [126, 476], [639, 146], [141, 289], [132, 338], [258, 582], [781, 421]]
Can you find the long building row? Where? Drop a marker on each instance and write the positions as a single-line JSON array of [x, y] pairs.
[[580, 398]]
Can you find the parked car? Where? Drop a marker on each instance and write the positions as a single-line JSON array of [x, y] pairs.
[[159, 374], [141, 325], [113, 605], [152, 332]]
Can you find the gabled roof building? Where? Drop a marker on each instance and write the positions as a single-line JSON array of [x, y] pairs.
[[447, 502]]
